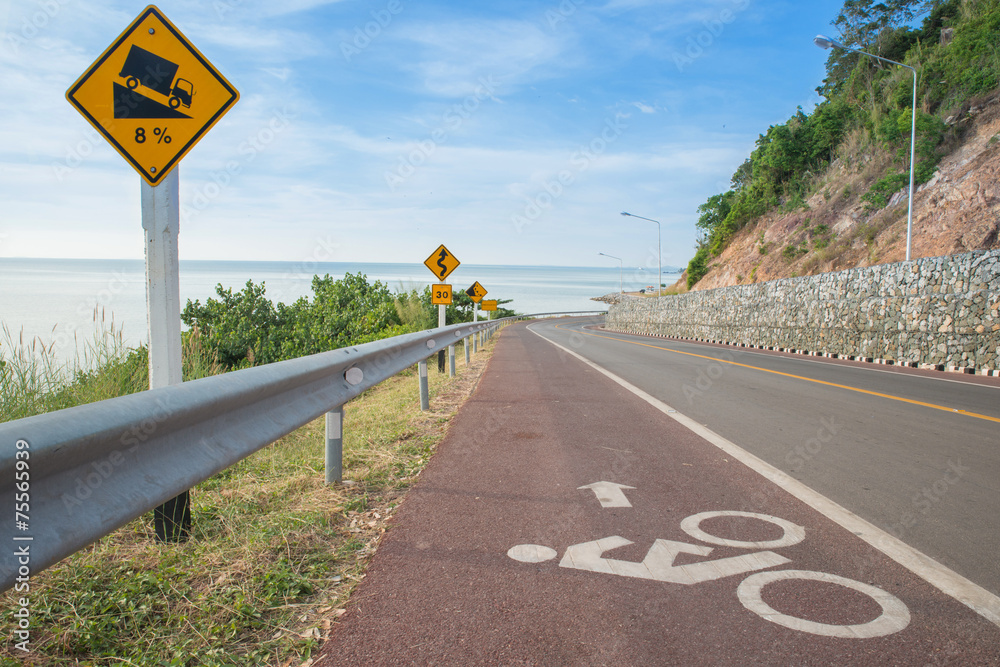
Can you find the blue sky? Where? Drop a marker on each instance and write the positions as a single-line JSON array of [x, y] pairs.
[[513, 132]]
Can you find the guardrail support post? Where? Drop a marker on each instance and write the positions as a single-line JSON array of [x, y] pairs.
[[475, 342], [451, 361], [468, 349], [335, 445], [425, 395]]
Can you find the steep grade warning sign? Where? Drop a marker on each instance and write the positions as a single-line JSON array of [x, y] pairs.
[[152, 95]]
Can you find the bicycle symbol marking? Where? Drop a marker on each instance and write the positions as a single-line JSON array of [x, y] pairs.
[[658, 565]]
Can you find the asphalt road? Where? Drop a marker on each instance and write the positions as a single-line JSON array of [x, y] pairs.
[[506, 553], [872, 438]]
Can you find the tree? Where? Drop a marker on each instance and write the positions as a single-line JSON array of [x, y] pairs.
[[246, 328], [714, 211], [862, 23], [237, 325]]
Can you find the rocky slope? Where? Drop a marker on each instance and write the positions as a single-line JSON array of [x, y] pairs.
[[958, 210]]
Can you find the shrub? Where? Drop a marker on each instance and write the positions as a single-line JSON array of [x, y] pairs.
[[697, 267]]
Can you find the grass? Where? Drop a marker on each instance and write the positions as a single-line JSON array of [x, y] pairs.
[[273, 557], [33, 380]]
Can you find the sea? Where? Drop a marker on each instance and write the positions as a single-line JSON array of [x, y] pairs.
[[61, 303]]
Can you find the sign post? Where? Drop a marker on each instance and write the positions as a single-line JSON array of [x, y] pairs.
[[441, 263], [476, 293], [160, 217], [153, 96], [442, 320], [489, 306], [442, 297]]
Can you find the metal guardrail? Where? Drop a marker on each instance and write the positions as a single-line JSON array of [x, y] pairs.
[[72, 476]]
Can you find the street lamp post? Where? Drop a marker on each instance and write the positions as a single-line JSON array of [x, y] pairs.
[[621, 270], [659, 254], [826, 42]]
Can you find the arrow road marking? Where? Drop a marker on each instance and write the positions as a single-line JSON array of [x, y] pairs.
[[609, 494]]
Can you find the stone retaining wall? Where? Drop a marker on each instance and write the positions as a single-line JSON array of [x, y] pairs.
[[940, 311]]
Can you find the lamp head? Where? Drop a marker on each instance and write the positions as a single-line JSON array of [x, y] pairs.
[[624, 213], [825, 42]]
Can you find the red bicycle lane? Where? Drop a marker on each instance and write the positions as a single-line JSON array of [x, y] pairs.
[[564, 521]]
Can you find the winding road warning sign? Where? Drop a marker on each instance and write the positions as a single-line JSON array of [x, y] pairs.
[[152, 95], [441, 262]]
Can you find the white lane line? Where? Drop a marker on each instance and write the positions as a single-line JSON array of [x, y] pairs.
[[977, 598]]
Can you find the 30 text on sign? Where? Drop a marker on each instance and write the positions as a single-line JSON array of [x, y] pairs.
[[441, 295]]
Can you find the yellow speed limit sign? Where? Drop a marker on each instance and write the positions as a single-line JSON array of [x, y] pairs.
[[488, 304], [441, 295]]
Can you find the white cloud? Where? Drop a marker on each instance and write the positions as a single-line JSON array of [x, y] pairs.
[[304, 155], [453, 58], [262, 44]]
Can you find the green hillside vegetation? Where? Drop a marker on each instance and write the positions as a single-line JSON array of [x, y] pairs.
[[866, 107], [245, 328], [237, 330]]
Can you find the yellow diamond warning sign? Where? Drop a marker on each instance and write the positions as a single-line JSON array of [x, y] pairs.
[[476, 292], [441, 262], [152, 94]]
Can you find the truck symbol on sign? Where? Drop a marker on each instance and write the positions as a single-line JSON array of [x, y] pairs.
[[152, 71]]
